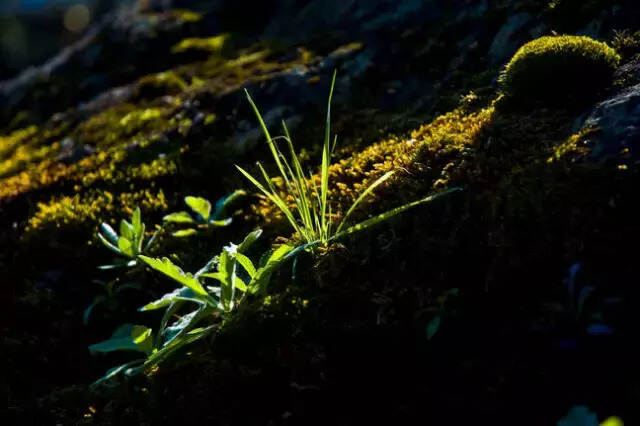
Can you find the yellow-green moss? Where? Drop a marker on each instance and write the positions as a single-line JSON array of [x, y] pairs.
[[424, 160], [88, 210], [558, 70], [208, 44], [120, 125]]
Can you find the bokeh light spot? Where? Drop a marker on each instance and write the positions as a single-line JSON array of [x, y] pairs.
[[77, 18]]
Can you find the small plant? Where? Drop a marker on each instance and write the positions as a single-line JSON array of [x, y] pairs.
[[237, 277], [311, 217], [201, 215], [579, 310], [552, 70], [129, 244]]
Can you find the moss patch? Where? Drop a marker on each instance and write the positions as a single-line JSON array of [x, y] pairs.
[[554, 70]]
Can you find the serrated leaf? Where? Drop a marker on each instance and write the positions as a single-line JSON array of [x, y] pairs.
[[248, 241], [227, 277], [174, 272], [179, 217], [246, 263], [260, 280], [169, 349], [199, 205], [185, 324], [183, 293]]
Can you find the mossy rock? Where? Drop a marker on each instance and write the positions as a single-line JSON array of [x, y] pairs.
[[559, 70]]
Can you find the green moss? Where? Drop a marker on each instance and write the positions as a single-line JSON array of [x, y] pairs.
[[626, 43], [555, 70], [208, 44]]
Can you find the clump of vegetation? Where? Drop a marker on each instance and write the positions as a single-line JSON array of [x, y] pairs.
[[626, 43], [312, 218], [237, 277], [552, 69], [202, 217]]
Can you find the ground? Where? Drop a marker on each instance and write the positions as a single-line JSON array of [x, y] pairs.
[[350, 339]]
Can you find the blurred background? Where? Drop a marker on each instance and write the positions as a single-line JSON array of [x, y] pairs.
[[33, 30]]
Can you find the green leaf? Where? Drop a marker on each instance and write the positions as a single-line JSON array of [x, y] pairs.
[[142, 338], [179, 217], [113, 372], [221, 223], [389, 214], [184, 233], [167, 267], [108, 244], [433, 327], [613, 421], [246, 264], [183, 293], [136, 223], [119, 341], [362, 196], [227, 277], [200, 206], [119, 264], [261, 278], [185, 324], [126, 230], [223, 203], [248, 241], [109, 233], [126, 247], [176, 344]]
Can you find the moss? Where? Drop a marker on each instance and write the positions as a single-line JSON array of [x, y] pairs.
[[209, 44], [558, 70], [86, 211], [626, 43], [424, 160], [160, 84], [123, 124]]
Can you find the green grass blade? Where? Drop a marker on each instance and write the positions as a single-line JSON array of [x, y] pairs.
[[266, 134], [362, 196], [326, 159], [274, 198], [389, 214]]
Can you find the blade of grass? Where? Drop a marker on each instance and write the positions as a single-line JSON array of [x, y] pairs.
[[326, 157], [273, 197], [362, 196], [388, 214]]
